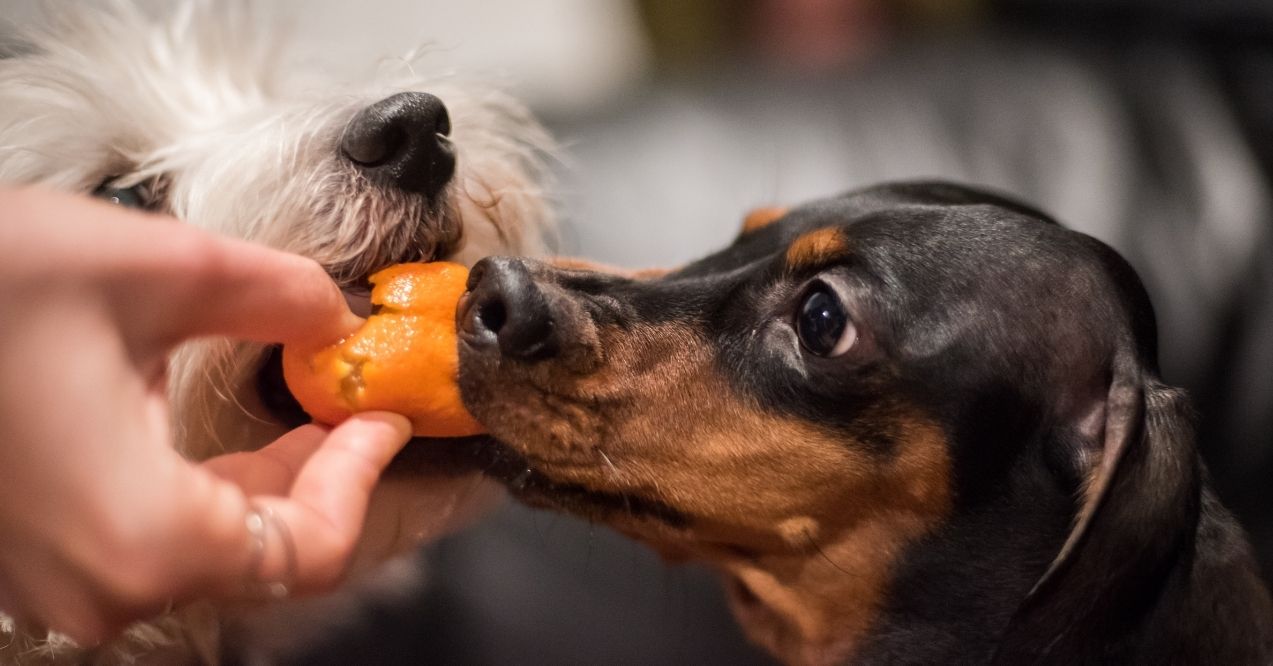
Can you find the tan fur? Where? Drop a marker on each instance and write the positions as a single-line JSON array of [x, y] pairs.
[[813, 608], [809, 521], [762, 217], [816, 248]]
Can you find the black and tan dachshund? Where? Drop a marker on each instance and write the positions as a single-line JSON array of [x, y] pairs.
[[918, 423]]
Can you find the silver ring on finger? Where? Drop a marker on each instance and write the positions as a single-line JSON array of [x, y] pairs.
[[261, 521]]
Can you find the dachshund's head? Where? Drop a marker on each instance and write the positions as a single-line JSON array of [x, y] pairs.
[[910, 403]]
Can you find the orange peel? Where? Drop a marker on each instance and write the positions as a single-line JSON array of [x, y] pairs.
[[403, 359]]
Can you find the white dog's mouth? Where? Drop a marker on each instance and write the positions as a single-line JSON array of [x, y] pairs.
[[273, 392], [400, 161], [404, 227]]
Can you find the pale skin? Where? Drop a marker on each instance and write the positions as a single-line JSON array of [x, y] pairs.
[[102, 523]]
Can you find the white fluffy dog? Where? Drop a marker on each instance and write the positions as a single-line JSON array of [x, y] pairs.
[[192, 116]]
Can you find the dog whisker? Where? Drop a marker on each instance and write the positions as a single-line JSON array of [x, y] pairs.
[[614, 471], [813, 544]]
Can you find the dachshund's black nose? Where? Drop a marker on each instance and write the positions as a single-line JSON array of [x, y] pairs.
[[401, 141], [504, 306]]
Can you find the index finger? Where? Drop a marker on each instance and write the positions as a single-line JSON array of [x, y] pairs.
[[242, 290], [169, 280]]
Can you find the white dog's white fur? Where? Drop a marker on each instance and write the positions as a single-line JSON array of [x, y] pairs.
[[196, 107]]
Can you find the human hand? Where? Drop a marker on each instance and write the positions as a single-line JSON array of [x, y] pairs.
[[103, 523]]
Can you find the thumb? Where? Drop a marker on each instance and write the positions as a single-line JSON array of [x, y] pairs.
[[315, 522]]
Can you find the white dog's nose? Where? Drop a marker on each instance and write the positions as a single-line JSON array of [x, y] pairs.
[[401, 142]]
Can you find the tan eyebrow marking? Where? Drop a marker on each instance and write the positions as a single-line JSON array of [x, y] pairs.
[[816, 247], [762, 217]]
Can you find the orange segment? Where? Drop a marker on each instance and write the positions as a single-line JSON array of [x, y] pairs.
[[403, 359]]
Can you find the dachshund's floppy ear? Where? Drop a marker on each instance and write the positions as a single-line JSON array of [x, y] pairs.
[[1137, 510]]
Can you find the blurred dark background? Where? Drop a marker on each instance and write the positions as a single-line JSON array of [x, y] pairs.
[[1146, 124]]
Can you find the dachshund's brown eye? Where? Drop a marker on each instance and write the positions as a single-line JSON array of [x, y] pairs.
[[823, 325]]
